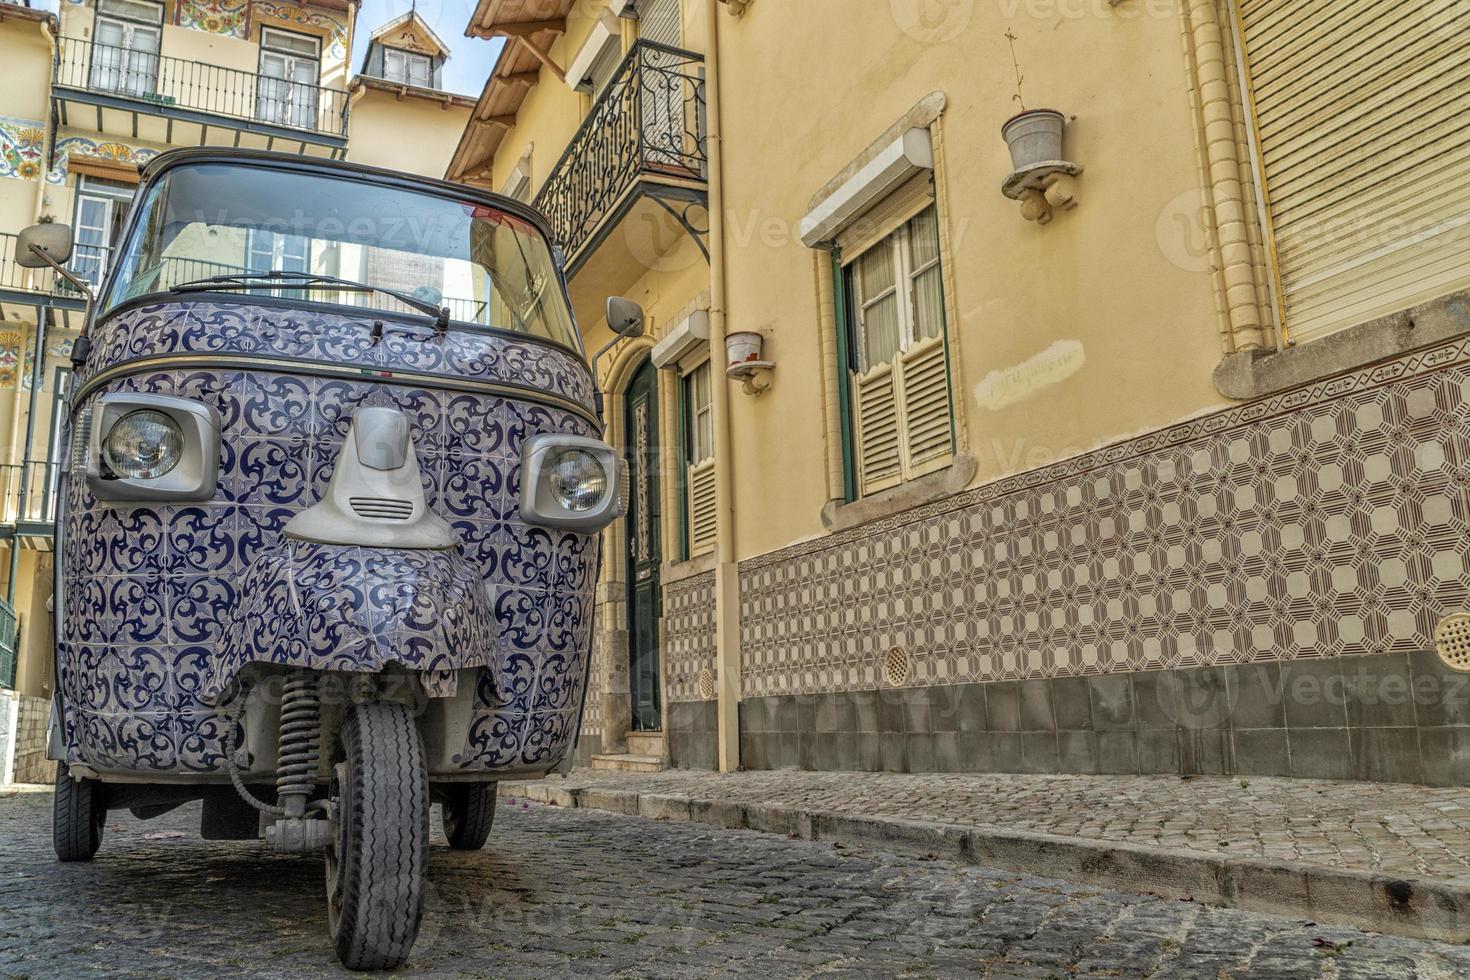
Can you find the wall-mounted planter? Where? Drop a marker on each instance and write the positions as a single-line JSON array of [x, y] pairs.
[[1042, 178], [745, 363], [1034, 136]]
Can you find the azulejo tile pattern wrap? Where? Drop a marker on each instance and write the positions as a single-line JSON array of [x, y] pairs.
[[1325, 521], [369, 341], [151, 592], [338, 607], [689, 635], [227, 17]]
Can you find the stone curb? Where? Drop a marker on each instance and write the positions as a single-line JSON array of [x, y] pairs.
[[1422, 908]]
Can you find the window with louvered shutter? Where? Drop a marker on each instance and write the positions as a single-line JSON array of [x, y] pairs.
[[699, 460], [1361, 108], [901, 405], [660, 21]]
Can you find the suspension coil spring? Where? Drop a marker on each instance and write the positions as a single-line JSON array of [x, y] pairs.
[[300, 741]]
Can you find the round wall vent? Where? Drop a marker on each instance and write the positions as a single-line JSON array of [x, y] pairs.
[[895, 667], [706, 684], [1452, 641]]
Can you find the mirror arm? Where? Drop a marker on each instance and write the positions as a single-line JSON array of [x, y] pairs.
[[83, 285], [83, 344]]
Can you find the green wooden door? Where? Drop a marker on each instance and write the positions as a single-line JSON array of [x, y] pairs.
[[640, 410]]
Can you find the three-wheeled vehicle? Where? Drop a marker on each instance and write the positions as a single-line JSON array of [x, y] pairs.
[[330, 522]]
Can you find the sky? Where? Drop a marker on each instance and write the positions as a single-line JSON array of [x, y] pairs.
[[470, 58]]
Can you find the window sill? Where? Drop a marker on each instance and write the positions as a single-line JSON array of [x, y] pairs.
[[840, 515], [1255, 374], [678, 571]]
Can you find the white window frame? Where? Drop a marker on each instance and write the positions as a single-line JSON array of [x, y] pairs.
[[92, 266], [694, 413], [288, 102], [407, 59], [698, 462], [116, 68], [904, 277], [911, 440]]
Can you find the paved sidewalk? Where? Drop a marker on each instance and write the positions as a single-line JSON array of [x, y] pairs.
[[1392, 857]]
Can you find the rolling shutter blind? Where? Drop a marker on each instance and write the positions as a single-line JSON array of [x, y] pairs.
[[1362, 109], [658, 20], [911, 197], [702, 515]]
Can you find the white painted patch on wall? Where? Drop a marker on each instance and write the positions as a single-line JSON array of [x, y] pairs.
[[1017, 383]]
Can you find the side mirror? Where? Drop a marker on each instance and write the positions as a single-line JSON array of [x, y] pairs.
[[53, 240], [624, 317]]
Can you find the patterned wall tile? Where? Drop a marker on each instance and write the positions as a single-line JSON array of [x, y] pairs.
[[1326, 521], [689, 636]]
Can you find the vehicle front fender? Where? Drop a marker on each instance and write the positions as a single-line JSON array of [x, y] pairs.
[[354, 609]]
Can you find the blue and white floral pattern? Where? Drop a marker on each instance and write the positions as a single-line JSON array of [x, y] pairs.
[[164, 604], [367, 341]]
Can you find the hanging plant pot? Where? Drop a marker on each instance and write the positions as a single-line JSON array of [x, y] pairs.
[[1034, 136]]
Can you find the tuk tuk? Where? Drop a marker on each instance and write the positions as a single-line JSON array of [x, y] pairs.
[[330, 520]]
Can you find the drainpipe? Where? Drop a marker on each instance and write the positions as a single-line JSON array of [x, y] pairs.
[[43, 314], [44, 317], [727, 572]]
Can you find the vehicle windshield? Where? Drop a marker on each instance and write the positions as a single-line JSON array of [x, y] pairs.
[[209, 219]]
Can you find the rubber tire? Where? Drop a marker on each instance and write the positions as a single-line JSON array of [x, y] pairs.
[[375, 871], [468, 814], [78, 814]]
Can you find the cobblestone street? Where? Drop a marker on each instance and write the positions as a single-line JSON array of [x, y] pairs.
[[582, 893], [1380, 827]]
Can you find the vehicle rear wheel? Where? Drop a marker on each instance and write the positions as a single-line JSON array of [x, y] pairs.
[[375, 867], [78, 813], [469, 811]]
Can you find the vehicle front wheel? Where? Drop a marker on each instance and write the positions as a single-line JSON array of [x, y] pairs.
[[375, 867], [78, 813], [469, 812]]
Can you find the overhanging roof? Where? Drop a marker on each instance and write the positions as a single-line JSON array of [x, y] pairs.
[[530, 28]]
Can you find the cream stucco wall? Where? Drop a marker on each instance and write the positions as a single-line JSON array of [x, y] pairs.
[[410, 134], [1098, 279], [1059, 333]]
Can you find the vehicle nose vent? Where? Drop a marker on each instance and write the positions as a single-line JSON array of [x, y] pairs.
[[382, 508]]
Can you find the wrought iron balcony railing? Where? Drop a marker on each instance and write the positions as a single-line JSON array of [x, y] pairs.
[[162, 83], [648, 122]]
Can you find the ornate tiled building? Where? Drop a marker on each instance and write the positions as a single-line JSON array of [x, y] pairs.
[[1125, 435]]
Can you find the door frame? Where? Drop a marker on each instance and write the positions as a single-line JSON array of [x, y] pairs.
[[609, 672], [645, 471]]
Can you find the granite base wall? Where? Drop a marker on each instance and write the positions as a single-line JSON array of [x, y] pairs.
[[691, 734], [1391, 718]]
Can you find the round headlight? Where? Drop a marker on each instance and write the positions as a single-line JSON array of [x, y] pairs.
[[578, 480], [143, 445]]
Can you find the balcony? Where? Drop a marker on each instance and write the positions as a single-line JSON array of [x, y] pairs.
[[638, 161], [141, 95]]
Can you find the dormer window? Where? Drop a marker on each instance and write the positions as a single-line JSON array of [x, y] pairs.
[[405, 51], [407, 67]]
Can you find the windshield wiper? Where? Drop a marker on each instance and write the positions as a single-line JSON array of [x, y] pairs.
[[309, 280]]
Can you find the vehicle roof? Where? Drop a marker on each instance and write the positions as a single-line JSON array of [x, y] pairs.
[[342, 168]]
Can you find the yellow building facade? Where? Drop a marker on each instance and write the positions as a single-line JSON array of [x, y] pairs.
[[90, 95], [1047, 386]]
